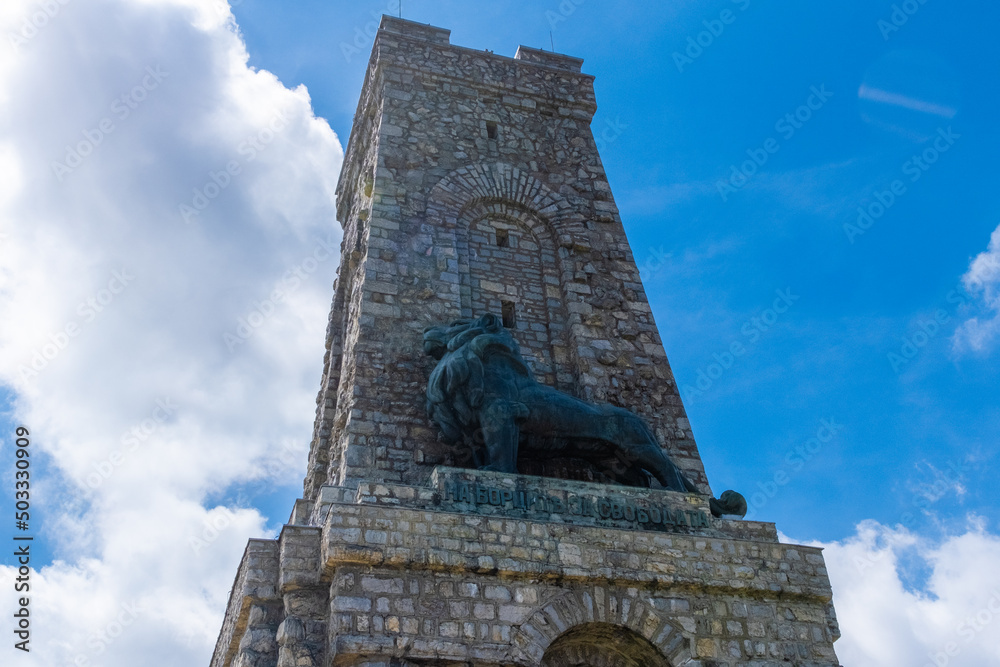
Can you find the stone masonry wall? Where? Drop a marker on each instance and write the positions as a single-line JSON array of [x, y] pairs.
[[449, 144], [354, 204], [417, 585], [247, 638]]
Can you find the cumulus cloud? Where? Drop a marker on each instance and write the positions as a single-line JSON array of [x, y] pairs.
[[983, 280], [167, 245], [950, 618]]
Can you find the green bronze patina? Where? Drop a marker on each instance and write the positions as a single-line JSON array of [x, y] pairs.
[[482, 395]]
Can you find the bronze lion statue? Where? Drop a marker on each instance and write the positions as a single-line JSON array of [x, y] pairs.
[[482, 395]]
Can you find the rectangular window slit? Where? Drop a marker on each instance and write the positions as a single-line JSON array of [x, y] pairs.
[[507, 313], [491, 129], [503, 239]]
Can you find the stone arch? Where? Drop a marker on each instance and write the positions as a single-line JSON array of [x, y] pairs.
[[623, 623], [525, 266], [503, 182], [602, 645], [469, 195]]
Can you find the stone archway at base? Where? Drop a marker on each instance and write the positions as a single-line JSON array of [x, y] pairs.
[[602, 645], [599, 626]]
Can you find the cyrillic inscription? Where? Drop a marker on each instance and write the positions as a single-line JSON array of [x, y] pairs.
[[599, 507]]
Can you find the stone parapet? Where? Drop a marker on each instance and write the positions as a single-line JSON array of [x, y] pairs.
[[511, 547], [421, 31], [548, 58]]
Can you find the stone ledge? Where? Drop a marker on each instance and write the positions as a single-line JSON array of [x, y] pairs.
[[423, 31], [550, 500], [415, 540], [549, 58]]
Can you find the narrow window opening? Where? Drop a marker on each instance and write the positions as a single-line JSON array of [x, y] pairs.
[[503, 238], [491, 129], [507, 313]]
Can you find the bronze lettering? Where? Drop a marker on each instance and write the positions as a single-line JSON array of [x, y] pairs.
[[603, 508]]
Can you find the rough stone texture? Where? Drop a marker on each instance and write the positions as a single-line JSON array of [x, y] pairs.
[[424, 193], [393, 559], [387, 581], [301, 636], [254, 611], [420, 585]]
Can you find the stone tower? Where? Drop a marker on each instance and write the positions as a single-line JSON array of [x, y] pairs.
[[472, 184]]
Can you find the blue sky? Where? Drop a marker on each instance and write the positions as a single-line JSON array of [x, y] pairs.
[[808, 190]]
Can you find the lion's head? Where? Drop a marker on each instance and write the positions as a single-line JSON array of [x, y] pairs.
[[455, 390]]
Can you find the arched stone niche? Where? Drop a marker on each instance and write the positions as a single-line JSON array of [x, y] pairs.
[[508, 264], [546, 244], [602, 645], [517, 244], [599, 626]]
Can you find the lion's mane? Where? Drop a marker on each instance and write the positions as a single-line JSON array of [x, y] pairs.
[[456, 388]]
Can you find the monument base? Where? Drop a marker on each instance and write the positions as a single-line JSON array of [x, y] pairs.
[[484, 568]]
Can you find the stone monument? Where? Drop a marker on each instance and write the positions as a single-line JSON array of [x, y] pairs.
[[539, 500]]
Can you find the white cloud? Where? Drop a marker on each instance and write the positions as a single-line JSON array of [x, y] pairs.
[[114, 114], [950, 620], [983, 280]]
